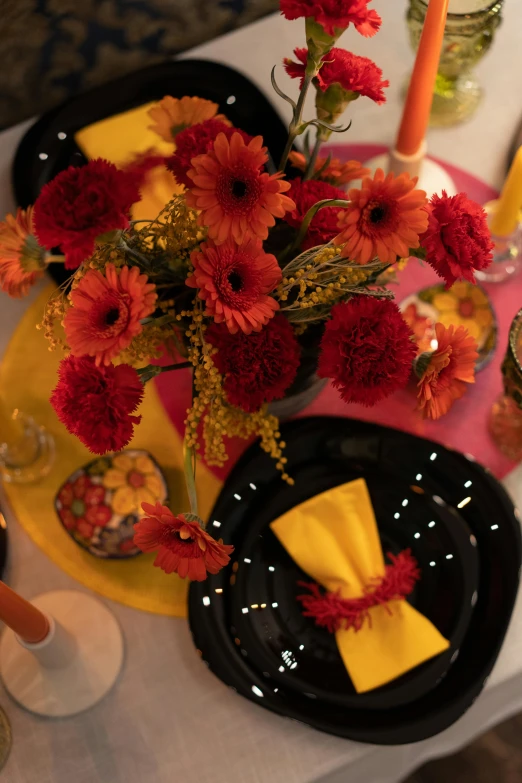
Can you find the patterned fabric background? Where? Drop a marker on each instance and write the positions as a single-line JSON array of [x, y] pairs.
[[52, 49]]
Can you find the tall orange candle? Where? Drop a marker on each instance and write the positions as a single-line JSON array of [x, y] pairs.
[[23, 618], [417, 108]]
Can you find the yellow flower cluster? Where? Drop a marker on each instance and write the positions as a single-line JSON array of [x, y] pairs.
[[315, 280], [53, 315], [211, 410]]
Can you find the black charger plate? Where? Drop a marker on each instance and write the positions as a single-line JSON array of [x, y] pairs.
[[448, 477], [48, 147]]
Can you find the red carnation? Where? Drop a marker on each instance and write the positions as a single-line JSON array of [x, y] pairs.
[[323, 227], [258, 367], [334, 16], [197, 140], [457, 239], [80, 204], [183, 546], [96, 403], [366, 350], [353, 73]]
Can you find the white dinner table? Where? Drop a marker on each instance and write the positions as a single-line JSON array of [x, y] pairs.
[[168, 719]]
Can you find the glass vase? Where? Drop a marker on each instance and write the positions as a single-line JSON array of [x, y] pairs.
[[468, 35], [506, 414]]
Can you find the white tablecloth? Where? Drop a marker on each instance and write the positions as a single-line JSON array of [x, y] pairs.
[[168, 719]]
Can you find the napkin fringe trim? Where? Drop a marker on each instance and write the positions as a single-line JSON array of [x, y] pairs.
[[333, 612]]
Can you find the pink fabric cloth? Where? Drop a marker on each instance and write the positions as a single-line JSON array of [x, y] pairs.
[[464, 428]]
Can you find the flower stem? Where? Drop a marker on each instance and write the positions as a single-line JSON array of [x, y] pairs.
[[328, 202], [313, 157], [180, 366], [54, 259], [189, 464], [295, 126]]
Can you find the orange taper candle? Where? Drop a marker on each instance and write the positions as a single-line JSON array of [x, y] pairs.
[[420, 92], [23, 618]]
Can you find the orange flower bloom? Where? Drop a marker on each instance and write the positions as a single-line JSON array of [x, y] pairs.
[[107, 310], [183, 546], [336, 173], [21, 257], [450, 368], [385, 221], [235, 198], [172, 115], [234, 281]]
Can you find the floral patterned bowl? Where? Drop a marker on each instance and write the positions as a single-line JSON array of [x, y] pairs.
[[99, 504]]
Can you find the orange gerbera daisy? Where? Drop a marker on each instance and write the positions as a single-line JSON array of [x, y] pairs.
[[385, 220], [172, 115], [235, 198], [107, 310], [22, 260], [336, 173], [234, 281], [450, 368]]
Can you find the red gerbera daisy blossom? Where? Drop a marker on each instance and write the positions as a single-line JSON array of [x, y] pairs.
[[450, 367], [82, 203], [366, 350], [235, 198], [323, 227], [197, 140], [258, 368], [184, 547], [96, 403], [22, 260], [106, 312], [334, 16], [457, 240], [352, 73], [385, 220], [234, 281]]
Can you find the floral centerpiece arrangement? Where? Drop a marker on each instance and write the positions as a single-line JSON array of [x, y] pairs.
[[239, 272]]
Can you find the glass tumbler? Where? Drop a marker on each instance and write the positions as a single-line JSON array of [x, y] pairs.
[[505, 422], [470, 28]]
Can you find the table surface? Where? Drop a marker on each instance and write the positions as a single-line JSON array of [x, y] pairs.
[[168, 718]]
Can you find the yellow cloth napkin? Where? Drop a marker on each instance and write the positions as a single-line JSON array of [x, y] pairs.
[[119, 139], [333, 537]]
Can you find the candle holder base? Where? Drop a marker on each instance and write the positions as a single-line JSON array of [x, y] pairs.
[[58, 690], [432, 177]]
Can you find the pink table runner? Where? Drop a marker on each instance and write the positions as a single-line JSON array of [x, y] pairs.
[[464, 428]]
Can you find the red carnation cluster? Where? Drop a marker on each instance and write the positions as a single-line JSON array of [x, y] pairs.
[[366, 350], [334, 16], [352, 72], [457, 240], [259, 367], [81, 203], [323, 227], [197, 140], [96, 403]]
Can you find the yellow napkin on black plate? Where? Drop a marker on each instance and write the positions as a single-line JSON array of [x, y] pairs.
[[121, 138], [333, 537]]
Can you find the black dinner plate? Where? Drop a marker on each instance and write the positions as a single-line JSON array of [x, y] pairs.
[[48, 147], [266, 616], [452, 481]]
